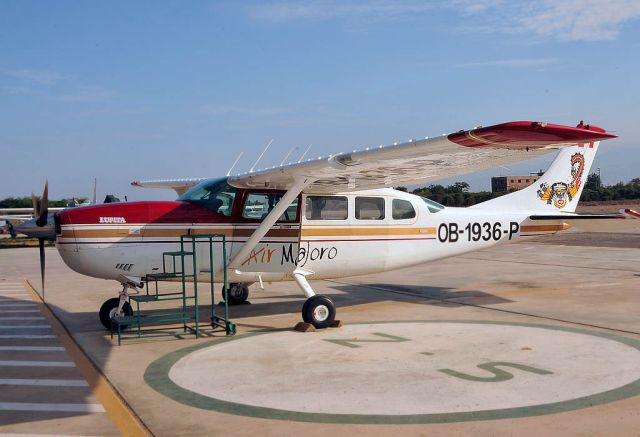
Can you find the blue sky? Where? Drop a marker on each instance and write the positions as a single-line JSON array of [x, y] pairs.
[[161, 89]]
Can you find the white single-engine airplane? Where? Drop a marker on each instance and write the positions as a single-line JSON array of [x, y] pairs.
[[333, 216]]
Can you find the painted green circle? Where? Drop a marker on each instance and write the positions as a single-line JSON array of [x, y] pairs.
[[157, 376]]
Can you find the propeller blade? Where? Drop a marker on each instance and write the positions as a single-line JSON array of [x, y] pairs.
[[36, 207], [42, 263], [44, 206]]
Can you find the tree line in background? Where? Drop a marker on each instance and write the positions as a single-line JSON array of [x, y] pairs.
[[25, 202], [458, 194]]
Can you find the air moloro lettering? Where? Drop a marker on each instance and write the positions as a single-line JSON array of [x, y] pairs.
[[306, 253]]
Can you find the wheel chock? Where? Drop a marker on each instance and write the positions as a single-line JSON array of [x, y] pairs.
[[336, 324], [304, 327]]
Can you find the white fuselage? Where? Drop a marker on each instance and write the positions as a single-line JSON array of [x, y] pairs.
[[324, 247]]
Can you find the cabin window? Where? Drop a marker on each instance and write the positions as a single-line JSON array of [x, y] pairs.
[[369, 208], [326, 208], [216, 195], [402, 210], [432, 206], [258, 206]]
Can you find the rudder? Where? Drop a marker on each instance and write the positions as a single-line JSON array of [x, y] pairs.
[[559, 189]]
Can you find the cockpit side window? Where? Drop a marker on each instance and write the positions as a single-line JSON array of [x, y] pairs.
[[402, 209], [259, 205], [432, 206], [216, 195]]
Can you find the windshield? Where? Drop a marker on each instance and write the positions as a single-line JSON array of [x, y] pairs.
[[214, 194], [432, 206]]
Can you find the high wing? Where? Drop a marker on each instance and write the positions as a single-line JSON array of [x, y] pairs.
[[179, 185], [416, 161], [420, 161]]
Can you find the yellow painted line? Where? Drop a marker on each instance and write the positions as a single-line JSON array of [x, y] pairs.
[[125, 420]]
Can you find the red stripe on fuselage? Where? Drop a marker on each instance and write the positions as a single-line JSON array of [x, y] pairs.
[[166, 212]]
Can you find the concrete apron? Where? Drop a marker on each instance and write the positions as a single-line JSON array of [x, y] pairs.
[[403, 372]]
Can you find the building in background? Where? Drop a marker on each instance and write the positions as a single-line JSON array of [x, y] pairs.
[[512, 183]]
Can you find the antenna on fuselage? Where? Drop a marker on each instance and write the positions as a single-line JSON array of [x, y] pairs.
[[288, 153], [95, 187], [234, 163], [260, 157], [305, 152]]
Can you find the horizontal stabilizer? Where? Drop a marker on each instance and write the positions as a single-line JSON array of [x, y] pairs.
[[626, 220]]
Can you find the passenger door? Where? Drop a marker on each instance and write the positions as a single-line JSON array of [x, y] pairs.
[[278, 249]]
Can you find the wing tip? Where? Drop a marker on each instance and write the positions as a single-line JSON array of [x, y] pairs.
[[530, 135]]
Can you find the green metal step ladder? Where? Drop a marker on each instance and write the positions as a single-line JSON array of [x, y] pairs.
[[145, 324]]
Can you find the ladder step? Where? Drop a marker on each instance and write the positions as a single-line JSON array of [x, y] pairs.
[[148, 319], [161, 276], [161, 297], [177, 253], [144, 298]]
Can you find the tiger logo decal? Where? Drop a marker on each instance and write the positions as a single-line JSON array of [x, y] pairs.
[[561, 193]]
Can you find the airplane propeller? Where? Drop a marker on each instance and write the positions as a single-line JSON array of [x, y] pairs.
[[40, 226]]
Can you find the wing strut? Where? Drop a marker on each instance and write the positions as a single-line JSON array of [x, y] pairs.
[[295, 189]]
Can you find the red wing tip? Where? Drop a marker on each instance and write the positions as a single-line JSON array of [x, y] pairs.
[[529, 134], [632, 212], [534, 125]]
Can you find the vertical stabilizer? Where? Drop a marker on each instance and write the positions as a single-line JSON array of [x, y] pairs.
[[558, 190]]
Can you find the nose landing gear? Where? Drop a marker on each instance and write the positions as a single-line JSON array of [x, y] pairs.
[[116, 307], [110, 309]]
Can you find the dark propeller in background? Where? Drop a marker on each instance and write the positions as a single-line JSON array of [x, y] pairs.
[[41, 226]]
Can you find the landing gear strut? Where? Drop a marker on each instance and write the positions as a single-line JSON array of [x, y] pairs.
[[237, 294], [317, 310]]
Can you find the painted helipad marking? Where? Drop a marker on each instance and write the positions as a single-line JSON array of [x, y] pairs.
[[76, 408], [403, 372], [24, 327], [46, 382], [20, 311], [29, 363], [32, 348], [22, 318]]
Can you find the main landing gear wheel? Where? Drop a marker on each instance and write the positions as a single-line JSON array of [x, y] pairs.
[[108, 311], [238, 294], [319, 311]]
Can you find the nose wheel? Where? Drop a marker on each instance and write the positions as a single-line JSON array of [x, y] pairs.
[[109, 310], [319, 311]]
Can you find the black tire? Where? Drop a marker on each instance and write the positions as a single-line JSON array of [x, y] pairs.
[[109, 307], [238, 294], [319, 311]]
